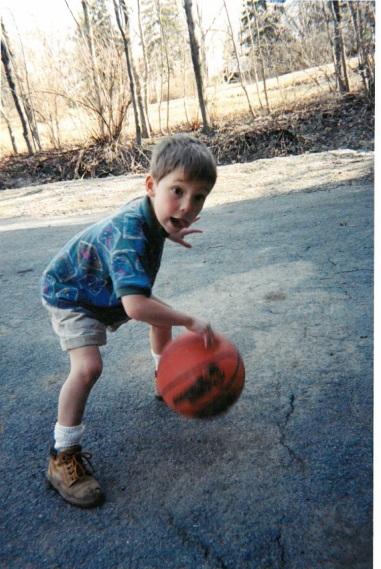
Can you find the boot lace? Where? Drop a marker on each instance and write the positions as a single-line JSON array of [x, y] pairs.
[[75, 466]]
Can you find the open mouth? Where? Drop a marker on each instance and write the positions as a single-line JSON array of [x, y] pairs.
[[179, 223]]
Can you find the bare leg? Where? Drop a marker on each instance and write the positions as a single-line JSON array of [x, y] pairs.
[[159, 338], [86, 367]]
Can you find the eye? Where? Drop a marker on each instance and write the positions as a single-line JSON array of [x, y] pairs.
[[200, 198], [177, 191]]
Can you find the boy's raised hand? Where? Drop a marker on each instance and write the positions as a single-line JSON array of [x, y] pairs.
[[178, 237]]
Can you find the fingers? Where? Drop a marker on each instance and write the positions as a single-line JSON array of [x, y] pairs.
[[208, 337], [185, 244], [204, 329], [185, 232], [179, 236]]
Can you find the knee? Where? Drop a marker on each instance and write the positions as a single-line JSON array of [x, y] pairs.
[[89, 370]]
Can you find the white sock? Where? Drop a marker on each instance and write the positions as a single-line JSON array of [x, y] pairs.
[[65, 437], [156, 359]]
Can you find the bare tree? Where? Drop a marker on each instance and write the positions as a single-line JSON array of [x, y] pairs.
[[27, 100], [143, 111], [138, 92], [202, 37], [196, 63], [98, 58], [88, 32], [164, 51], [339, 50], [12, 86], [185, 50], [238, 62], [145, 61], [252, 41], [261, 59], [10, 131], [124, 30], [25, 96], [363, 48]]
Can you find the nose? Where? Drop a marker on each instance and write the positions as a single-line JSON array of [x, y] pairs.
[[186, 205]]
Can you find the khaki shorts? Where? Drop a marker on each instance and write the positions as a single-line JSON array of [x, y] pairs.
[[76, 329]]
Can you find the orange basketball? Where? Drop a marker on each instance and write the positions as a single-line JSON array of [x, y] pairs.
[[197, 381]]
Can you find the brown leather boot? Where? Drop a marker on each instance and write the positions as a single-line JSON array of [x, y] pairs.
[[68, 474]]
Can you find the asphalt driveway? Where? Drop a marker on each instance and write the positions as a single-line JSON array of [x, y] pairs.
[[284, 480]]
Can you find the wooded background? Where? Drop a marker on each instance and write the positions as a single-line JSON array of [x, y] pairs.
[[129, 64]]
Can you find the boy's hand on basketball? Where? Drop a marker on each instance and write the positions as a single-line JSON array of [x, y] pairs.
[[178, 237], [203, 328]]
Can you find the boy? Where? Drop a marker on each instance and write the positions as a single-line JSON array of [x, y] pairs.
[[103, 277]]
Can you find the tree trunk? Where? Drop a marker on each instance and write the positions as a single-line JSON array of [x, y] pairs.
[[159, 91], [142, 111], [12, 87], [29, 111], [185, 49], [138, 91], [340, 65], [238, 62], [24, 98], [261, 57], [196, 63], [10, 131], [28, 106], [359, 46], [145, 77], [365, 68], [254, 56], [204, 59], [367, 14], [164, 44], [94, 70], [327, 20], [126, 42]]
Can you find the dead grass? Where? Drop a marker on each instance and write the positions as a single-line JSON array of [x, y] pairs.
[[225, 103], [325, 123]]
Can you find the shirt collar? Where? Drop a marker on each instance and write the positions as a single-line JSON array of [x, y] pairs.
[[153, 225]]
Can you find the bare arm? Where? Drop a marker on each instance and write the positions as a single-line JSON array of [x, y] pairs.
[[154, 312]]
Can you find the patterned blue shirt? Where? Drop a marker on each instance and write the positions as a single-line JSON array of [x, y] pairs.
[[117, 256]]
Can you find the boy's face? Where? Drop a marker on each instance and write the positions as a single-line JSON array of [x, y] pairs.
[[176, 200]]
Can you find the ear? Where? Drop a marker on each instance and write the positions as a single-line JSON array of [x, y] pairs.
[[150, 185]]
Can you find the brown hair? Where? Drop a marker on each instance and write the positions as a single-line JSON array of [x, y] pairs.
[[184, 151]]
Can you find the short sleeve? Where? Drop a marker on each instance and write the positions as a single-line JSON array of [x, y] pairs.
[[128, 274]]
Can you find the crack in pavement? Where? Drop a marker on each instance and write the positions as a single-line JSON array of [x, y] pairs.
[[192, 542], [281, 547], [282, 428], [279, 541], [292, 407]]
